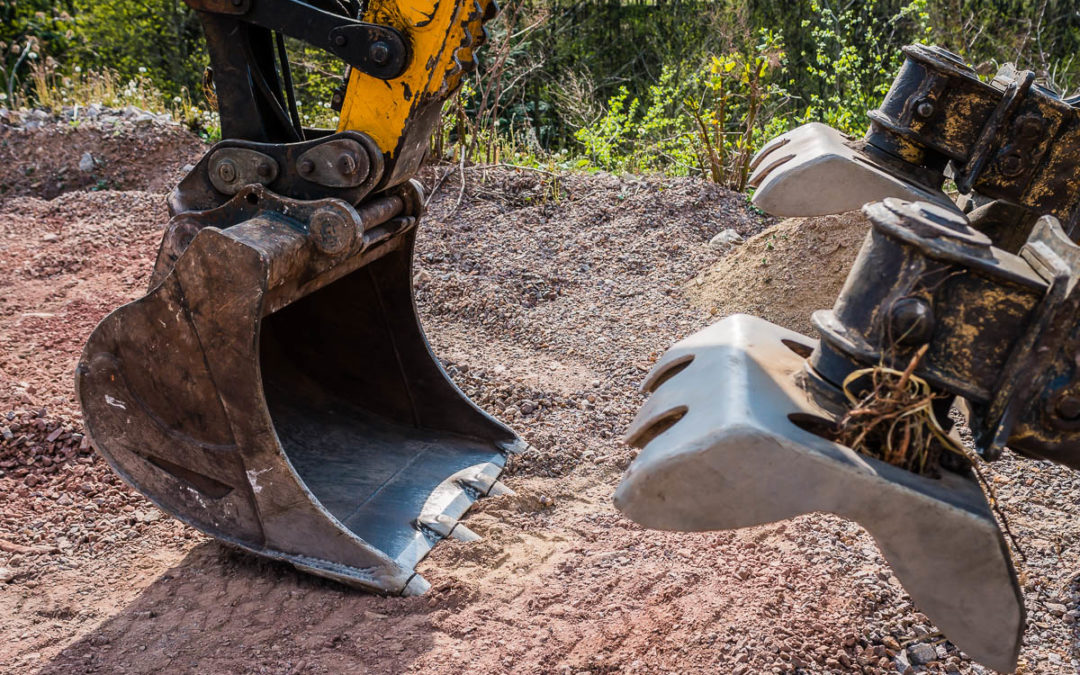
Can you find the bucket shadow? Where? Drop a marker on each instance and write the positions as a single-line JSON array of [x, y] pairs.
[[224, 611]]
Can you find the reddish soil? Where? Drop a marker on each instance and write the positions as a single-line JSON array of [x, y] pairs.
[[548, 300], [124, 155]]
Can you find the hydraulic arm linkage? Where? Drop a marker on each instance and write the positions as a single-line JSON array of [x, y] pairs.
[[274, 387], [977, 304]]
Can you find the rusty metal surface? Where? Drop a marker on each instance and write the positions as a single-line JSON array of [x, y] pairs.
[[203, 189], [740, 427], [275, 390], [1001, 330], [726, 443]]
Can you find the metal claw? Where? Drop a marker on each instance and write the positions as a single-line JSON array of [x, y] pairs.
[[725, 444], [814, 170]]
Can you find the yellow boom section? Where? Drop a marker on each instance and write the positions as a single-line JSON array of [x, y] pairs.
[[442, 35]]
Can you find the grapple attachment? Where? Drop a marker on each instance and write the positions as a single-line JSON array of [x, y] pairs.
[[738, 456], [1008, 140], [274, 387], [745, 418]]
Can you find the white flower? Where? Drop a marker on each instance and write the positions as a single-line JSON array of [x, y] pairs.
[[78, 69], [142, 69], [3, 97], [33, 55], [177, 99]]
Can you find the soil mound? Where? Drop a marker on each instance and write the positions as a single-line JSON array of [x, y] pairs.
[[784, 273], [50, 158]]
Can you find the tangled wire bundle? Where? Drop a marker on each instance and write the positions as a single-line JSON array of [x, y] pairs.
[[894, 419]]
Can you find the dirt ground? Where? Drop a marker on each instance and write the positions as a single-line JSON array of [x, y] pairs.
[[548, 300]]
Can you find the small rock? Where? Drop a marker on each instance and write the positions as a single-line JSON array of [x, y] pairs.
[[147, 516], [725, 240], [6, 574], [1056, 609], [50, 237], [86, 163], [921, 654], [902, 661]]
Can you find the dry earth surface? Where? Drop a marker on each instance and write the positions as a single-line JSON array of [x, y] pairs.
[[548, 300]]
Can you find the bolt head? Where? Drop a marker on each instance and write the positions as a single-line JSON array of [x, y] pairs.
[[1068, 408], [924, 109], [306, 167], [227, 171], [264, 169], [911, 321], [340, 40], [379, 53], [331, 231], [346, 164]]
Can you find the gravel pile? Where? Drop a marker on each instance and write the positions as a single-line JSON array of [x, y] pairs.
[[548, 298], [93, 148]]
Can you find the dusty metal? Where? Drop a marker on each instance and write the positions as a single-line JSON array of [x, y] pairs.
[[230, 169], [277, 392], [338, 163], [739, 427], [815, 170], [1004, 328], [378, 50], [723, 446], [1009, 140], [274, 387], [204, 188]]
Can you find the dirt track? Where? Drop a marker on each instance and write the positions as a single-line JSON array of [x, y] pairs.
[[548, 302]]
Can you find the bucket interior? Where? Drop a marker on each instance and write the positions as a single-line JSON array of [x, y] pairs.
[[363, 411]]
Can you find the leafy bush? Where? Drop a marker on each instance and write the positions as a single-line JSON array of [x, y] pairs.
[[707, 123], [856, 54]]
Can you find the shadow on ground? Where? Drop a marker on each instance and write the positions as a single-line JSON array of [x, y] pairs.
[[224, 611]]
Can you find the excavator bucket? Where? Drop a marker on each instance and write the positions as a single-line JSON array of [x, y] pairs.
[[274, 387]]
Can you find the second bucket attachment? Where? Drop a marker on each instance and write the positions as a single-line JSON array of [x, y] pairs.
[[275, 389], [750, 423]]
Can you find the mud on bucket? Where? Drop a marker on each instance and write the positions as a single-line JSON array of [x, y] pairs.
[[275, 390]]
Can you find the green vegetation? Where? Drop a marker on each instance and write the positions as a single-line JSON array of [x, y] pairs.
[[678, 86]]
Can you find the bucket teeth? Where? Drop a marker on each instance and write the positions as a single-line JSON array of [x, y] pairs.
[[446, 526], [722, 448], [514, 447], [484, 481], [814, 170]]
